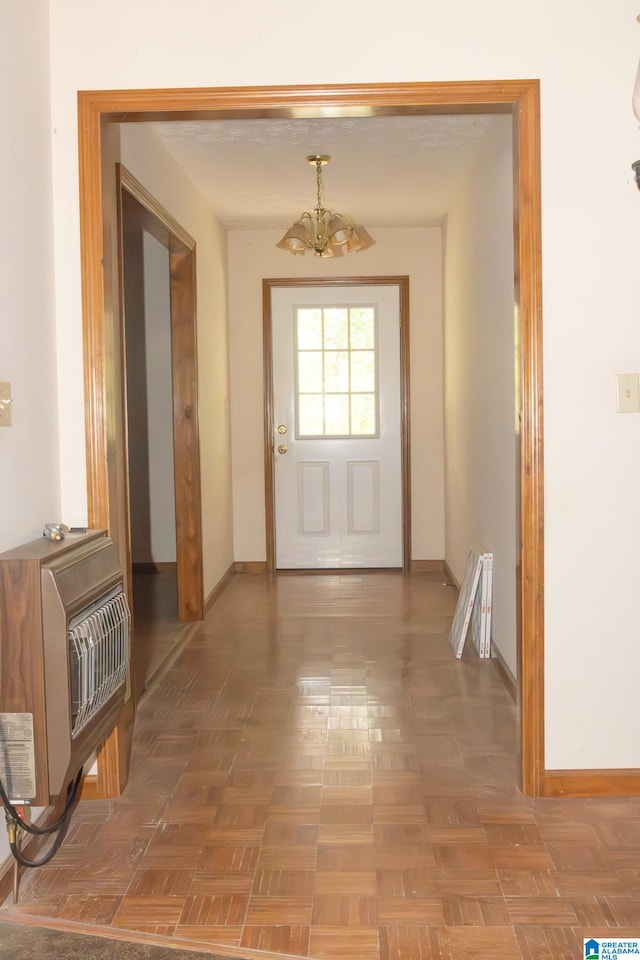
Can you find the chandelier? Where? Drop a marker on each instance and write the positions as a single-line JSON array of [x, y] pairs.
[[324, 231]]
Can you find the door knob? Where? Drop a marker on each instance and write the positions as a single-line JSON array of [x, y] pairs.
[[282, 448]]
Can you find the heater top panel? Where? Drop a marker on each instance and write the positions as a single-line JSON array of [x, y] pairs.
[[43, 549]]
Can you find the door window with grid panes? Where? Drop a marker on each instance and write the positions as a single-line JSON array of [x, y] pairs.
[[336, 367]]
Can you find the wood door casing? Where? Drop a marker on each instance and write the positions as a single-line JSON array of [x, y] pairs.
[[402, 283], [101, 110], [133, 202], [152, 216], [140, 213]]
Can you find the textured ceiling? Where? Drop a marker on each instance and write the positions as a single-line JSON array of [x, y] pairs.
[[385, 171]]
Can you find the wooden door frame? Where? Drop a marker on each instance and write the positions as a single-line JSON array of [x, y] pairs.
[[402, 283], [100, 110], [151, 216]]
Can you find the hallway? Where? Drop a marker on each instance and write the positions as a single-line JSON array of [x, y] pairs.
[[316, 775]]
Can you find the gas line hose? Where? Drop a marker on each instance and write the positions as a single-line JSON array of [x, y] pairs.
[[59, 826]]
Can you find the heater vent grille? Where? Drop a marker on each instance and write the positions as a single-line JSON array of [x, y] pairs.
[[98, 639]]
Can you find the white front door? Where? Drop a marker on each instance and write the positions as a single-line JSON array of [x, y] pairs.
[[337, 426]]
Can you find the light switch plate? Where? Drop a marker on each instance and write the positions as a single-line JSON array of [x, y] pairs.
[[5, 408], [628, 392]]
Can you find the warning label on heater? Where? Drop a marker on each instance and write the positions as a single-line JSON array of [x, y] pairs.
[[17, 757]]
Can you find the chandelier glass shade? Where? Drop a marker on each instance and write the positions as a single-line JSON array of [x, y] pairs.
[[325, 232]]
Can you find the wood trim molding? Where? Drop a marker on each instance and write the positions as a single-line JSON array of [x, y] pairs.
[[507, 677], [140, 210], [250, 566], [186, 431], [450, 577], [433, 569], [184, 103], [591, 783], [528, 309], [405, 418], [269, 428], [402, 283], [158, 214], [94, 321], [6, 878], [520, 98], [219, 588], [172, 944]]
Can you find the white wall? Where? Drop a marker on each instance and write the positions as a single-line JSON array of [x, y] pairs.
[[148, 160], [159, 400], [586, 56], [480, 431], [29, 451], [253, 255], [150, 422]]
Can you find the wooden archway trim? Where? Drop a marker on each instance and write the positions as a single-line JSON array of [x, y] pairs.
[[98, 110]]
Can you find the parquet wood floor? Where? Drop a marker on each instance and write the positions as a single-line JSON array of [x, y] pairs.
[[159, 633], [317, 776]]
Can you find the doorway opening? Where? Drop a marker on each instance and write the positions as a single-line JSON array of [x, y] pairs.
[[99, 113], [157, 265], [340, 500]]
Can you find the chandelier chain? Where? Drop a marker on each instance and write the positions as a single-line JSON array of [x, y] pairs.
[[319, 187]]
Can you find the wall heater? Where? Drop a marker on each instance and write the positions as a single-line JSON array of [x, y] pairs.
[[65, 632]]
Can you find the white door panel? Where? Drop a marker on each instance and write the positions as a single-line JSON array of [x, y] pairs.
[[338, 497]]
